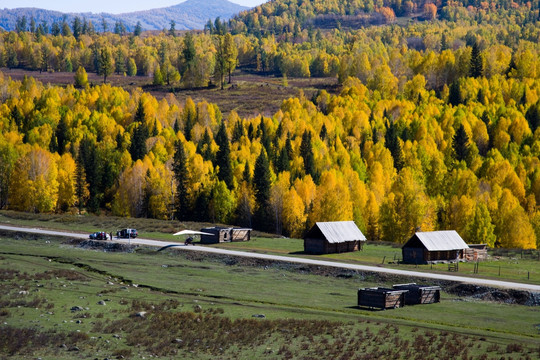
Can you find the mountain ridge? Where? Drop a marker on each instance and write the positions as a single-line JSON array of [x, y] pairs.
[[188, 15]]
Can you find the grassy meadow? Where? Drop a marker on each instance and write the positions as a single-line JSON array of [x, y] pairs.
[[511, 265], [59, 301]]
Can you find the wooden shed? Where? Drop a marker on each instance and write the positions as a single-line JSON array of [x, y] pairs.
[[476, 252], [381, 298], [420, 294], [434, 246], [222, 234], [333, 237]]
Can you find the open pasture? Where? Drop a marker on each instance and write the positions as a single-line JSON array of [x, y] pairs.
[[61, 301]]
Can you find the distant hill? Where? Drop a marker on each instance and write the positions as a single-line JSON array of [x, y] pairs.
[[191, 14]]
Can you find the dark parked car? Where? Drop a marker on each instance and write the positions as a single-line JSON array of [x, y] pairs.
[[127, 233], [99, 235]]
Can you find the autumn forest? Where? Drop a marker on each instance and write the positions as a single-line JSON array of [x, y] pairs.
[[435, 125]]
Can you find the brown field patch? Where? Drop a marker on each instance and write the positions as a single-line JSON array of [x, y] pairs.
[[249, 94]]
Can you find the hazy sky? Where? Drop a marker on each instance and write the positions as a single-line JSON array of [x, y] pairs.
[[97, 6]]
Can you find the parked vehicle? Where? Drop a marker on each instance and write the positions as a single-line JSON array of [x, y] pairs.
[[127, 233], [99, 235]]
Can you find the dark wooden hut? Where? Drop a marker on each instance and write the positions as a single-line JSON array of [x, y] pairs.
[[433, 247], [333, 237], [420, 294], [222, 234], [381, 298]]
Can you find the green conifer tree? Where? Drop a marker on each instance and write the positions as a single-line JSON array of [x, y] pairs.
[[460, 143], [263, 218], [181, 176], [223, 156]]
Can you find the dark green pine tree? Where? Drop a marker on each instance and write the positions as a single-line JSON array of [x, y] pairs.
[[204, 146], [263, 218], [288, 147], [460, 143], [110, 174], [392, 143], [265, 138], [375, 135], [19, 119], [485, 118], [181, 175], [138, 29], [201, 206], [246, 176], [533, 116], [306, 152], [53, 145], [190, 118], [176, 126], [454, 94], [140, 115], [444, 42], [251, 131], [477, 66], [138, 142], [511, 66], [238, 131], [77, 27], [223, 156], [140, 134], [155, 130], [323, 133], [81, 187], [282, 163], [147, 194], [189, 52], [61, 135], [119, 141], [93, 170]]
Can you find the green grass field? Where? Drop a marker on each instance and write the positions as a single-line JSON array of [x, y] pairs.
[[511, 265], [202, 308]]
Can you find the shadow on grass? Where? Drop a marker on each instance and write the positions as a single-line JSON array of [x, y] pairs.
[[299, 253]]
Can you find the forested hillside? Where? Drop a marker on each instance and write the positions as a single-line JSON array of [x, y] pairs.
[[189, 14], [435, 127]]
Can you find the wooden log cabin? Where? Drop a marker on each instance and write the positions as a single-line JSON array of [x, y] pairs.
[[433, 247], [333, 237], [222, 234], [381, 298], [420, 294]]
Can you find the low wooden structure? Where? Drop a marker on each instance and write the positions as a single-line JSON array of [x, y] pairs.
[[476, 252], [222, 234], [420, 294], [381, 298], [433, 247], [333, 237]]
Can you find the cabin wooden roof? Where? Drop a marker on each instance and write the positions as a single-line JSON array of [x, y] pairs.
[[336, 231], [438, 240]]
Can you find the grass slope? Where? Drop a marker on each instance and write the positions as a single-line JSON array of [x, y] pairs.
[[511, 265], [199, 307]]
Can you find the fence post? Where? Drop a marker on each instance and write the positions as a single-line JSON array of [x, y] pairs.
[[384, 258], [499, 270]]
